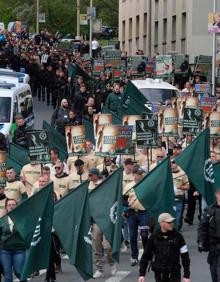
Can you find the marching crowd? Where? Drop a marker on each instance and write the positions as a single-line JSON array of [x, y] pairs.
[[75, 95]]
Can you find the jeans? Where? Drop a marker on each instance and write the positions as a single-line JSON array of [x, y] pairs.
[[126, 229], [138, 219], [12, 260], [179, 208]]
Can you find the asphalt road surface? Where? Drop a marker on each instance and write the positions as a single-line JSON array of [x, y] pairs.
[[126, 273]]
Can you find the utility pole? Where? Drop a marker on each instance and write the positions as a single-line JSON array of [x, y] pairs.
[[78, 18], [213, 54], [37, 16], [90, 29]]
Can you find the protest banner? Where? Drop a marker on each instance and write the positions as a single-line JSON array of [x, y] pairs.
[[213, 22], [168, 122], [3, 160], [164, 66], [106, 140], [146, 131], [124, 140], [181, 63], [39, 146], [192, 119], [214, 124], [76, 140], [131, 120], [101, 119]]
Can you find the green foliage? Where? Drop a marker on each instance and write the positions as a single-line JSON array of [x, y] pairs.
[[60, 15]]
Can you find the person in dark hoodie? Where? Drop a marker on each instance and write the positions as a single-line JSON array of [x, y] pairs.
[[60, 115], [12, 246], [20, 137]]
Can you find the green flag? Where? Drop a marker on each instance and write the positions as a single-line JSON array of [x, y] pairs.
[[133, 102], [57, 140], [217, 175], [11, 162], [19, 154], [196, 162], [115, 118], [155, 191], [33, 220], [106, 209], [72, 222], [89, 130]]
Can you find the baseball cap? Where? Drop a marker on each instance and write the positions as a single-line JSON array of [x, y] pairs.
[[138, 170], [177, 146], [79, 162], [129, 161], [165, 217], [94, 171]]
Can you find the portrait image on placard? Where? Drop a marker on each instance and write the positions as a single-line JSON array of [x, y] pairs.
[[131, 120], [101, 119], [168, 122], [106, 140], [192, 121], [76, 140], [214, 122]]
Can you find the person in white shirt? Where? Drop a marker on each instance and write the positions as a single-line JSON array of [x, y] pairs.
[[95, 48]]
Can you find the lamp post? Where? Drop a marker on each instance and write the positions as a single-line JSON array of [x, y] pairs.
[[213, 54], [37, 16], [78, 18], [90, 29]]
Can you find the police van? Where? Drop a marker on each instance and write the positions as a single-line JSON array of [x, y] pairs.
[[14, 99], [156, 91], [13, 77]]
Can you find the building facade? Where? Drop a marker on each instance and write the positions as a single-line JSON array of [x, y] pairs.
[[165, 26]]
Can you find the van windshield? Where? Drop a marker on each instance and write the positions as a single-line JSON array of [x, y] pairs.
[[155, 96], [5, 109]]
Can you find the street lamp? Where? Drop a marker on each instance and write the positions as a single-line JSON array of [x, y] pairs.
[[213, 54], [78, 18], [37, 16]]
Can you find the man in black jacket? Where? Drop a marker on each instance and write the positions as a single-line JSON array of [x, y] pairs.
[[209, 235], [164, 249], [20, 137]]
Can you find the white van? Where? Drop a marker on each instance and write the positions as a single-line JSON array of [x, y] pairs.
[[155, 90], [15, 99], [13, 77]]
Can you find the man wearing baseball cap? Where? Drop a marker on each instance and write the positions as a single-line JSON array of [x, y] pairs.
[[164, 249]]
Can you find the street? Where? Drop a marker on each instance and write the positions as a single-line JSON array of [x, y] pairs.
[[126, 273]]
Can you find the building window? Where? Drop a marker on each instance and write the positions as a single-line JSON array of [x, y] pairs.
[[137, 43], [123, 30], [130, 29], [183, 45], [137, 26], [164, 30], [183, 25], [173, 45], [145, 24], [129, 47], [156, 33], [173, 28], [145, 44], [156, 9], [164, 48]]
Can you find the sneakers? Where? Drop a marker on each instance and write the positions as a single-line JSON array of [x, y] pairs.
[[134, 262], [123, 248], [98, 274], [113, 269]]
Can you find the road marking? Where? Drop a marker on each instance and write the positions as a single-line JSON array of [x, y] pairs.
[[120, 275]]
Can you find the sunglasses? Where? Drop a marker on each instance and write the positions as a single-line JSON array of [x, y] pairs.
[[160, 157], [57, 167]]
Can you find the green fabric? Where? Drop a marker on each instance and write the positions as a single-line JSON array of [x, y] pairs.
[[132, 102], [57, 140], [106, 209], [155, 191], [19, 154], [72, 222], [33, 220], [12, 130], [217, 176], [11, 162], [112, 102], [89, 131], [10, 241], [195, 161], [115, 118]]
